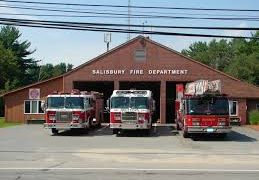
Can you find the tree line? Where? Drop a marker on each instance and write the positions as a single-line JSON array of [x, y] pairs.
[[18, 67], [236, 57]]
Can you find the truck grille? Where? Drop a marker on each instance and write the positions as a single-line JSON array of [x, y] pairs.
[[129, 116], [64, 116]]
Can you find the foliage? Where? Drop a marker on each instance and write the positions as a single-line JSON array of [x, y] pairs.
[[14, 59], [6, 124], [237, 57], [254, 117], [17, 67], [48, 70]]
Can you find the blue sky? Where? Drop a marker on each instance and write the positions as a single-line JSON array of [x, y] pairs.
[[77, 47]]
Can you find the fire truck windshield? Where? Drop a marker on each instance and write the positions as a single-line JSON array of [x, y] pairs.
[[129, 102], [139, 102], [74, 102], [211, 106], [67, 102], [55, 102]]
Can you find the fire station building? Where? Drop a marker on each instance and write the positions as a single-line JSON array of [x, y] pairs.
[[140, 63]]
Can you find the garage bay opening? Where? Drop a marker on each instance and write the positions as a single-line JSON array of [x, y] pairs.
[[105, 87]]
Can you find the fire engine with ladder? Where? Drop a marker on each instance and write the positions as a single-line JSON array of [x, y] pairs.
[[78, 110], [131, 110], [202, 108]]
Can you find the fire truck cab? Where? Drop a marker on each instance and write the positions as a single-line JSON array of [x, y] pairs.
[[75, 110], [131, 110], [201, 108]]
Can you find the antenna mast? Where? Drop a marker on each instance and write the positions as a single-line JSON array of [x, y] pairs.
[[129, 12]]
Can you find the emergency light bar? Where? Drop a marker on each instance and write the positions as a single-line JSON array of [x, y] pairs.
[[131, 92]]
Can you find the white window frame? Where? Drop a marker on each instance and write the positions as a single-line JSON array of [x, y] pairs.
[[31, 107], [140, 59], [231, 101]]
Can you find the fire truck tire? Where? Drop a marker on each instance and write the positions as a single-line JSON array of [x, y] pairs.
[[186, 134], [115, 131], [147, 132], [222, 136], [54, 131]]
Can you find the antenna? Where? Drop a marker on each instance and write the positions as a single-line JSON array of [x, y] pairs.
[[107, 39], [129, 12], [143, 28]]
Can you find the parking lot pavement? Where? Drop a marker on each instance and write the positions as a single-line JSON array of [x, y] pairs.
[[29, 148]]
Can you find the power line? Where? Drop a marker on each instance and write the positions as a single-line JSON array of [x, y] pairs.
[[62, 15], [132, 25], [121, 15], [137, 7], [149, 12], [67, 26]]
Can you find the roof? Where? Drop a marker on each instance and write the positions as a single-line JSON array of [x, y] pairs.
[[30, 85], [253, 87]]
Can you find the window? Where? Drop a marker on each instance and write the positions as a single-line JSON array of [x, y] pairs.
[[33, 107], [233, 105], [257, 106], [140, 55]]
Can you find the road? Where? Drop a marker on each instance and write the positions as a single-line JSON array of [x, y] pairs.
[[29, 152]]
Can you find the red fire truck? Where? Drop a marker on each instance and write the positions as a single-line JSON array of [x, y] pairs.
[[75, 110], [201, 108], [131, 110]]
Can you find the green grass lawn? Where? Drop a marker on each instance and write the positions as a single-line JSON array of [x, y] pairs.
[[6, 124]]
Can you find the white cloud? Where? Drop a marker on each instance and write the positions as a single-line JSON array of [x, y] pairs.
[[236, 32]]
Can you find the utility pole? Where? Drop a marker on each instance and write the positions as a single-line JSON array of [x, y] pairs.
[[129, 12], [108, 39], [143, 28]]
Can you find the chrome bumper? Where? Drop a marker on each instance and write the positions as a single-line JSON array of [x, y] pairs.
[[129, 126], [65, 126], [218, 129]]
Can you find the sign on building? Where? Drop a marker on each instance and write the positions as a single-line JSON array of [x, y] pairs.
[[34, 93]]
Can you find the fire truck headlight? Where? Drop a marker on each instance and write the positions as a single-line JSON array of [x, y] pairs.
[[141, 117], [75, 118], [196, 122], [52, 117], [117, 117], [222, 123]]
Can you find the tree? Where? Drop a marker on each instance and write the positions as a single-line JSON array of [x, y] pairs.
[[216, 54], [48, 70], [19, 60], [237, 57], [8, 67]]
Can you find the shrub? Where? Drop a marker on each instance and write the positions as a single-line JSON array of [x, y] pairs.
[[254, 117]]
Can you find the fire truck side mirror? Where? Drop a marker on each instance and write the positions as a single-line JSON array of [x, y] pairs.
[[43, 105], [154, 105], [108, 104]]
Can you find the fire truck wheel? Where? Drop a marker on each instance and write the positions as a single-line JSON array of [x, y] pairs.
[[147, 132], [54, 131], [222, 136], [186, 134], [115, 131]]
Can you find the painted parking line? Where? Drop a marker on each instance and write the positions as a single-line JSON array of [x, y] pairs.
[[138, 169]]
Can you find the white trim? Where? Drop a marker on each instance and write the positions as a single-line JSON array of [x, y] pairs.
[[31, 107], [135, 169], [231, 101]]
